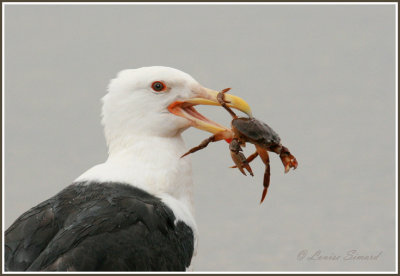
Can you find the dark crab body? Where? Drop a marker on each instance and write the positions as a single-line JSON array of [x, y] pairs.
[[255, 132], [262, 136], [265, 139]]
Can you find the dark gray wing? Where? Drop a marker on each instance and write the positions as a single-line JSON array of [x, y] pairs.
[[113, 227], [28, 236]]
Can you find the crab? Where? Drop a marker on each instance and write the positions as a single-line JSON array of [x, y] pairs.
[[251, 130]]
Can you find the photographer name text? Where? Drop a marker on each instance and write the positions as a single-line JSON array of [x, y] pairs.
[[348, 256]]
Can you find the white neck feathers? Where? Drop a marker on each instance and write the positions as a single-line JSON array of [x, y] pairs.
[[152, 164]]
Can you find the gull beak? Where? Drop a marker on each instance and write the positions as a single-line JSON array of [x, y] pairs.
[[185, 109]]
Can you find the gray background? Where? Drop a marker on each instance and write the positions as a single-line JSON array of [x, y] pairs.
[[322, 76]]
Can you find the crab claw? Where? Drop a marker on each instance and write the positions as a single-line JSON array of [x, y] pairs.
[[249, 159], [288, 160], [238, 157], [292, 163], [248, 168], [241, 163]]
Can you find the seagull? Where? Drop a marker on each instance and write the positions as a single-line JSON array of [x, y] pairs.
[[134, 212]]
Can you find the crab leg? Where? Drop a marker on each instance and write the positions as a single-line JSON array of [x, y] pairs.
[[267, 174], [223, 102], [216, 137]]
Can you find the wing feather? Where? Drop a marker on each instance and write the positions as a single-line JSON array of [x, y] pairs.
[[99, 227]]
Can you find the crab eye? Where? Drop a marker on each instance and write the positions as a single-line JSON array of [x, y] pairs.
[[158, 86]]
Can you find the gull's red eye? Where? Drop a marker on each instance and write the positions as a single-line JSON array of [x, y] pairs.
[[158, 86]]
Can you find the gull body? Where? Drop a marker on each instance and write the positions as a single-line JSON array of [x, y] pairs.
[[134, 212]]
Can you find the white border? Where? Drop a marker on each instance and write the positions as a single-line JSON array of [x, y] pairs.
[[206, 3], [2, 134], [397, 136], [200, 3]]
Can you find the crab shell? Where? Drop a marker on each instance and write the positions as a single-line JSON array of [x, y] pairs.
[[255, 131]]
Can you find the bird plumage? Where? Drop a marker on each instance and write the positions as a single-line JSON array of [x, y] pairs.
[[99, 226], [100, 223], [135, 210]]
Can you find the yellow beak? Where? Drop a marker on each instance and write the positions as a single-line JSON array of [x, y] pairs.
[[207, 96]]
